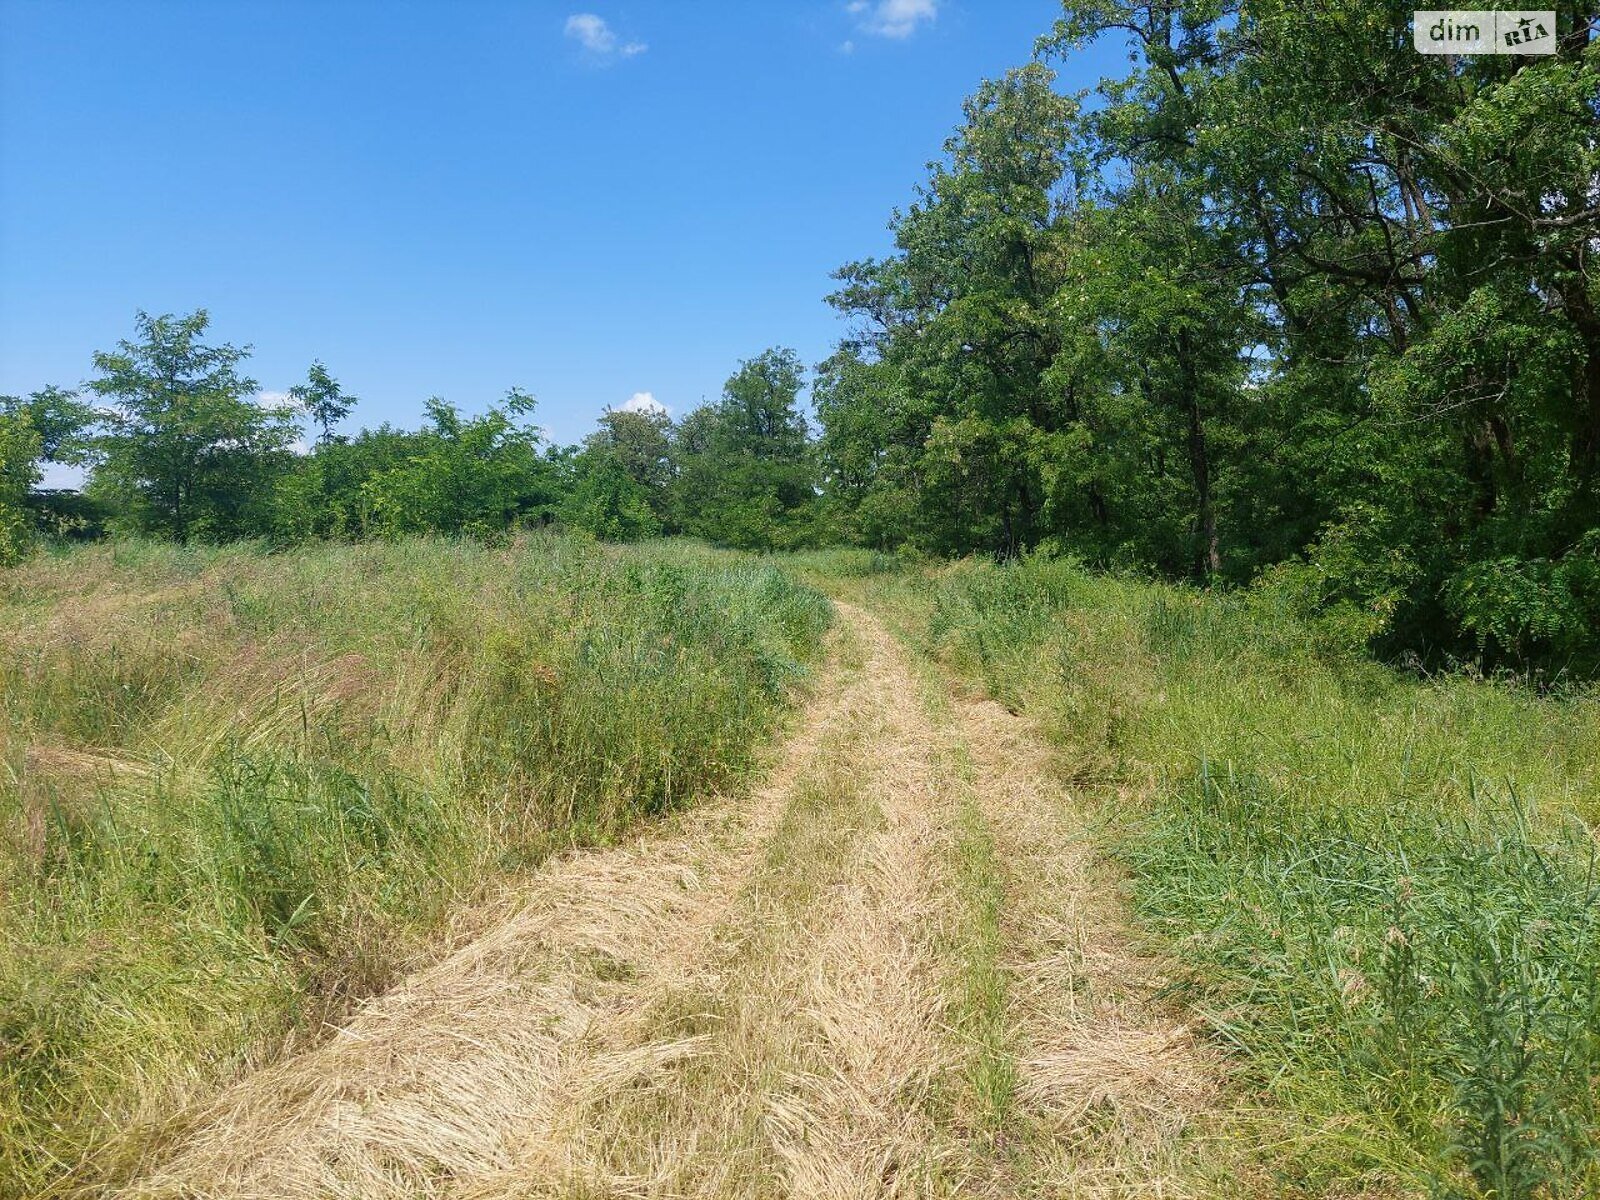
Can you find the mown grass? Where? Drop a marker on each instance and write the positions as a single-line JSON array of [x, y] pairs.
[[239, 789], [1379, 890], [980, 983]]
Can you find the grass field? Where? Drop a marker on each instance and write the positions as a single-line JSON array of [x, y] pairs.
[[1358, 954], [1377, 890], [239, 790]]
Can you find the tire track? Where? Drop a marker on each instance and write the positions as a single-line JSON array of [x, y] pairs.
[[767, 998]]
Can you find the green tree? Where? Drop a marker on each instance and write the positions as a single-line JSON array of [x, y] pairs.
[[608, 502], [472, 475], [869, 453], [20, 448], [322, 399], [61, 420], [1285, 289], [186, 452], [324, 494], [62, 424], [621, 478], [958, 319], [746, 476]]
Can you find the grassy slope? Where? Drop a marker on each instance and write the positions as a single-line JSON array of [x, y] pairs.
[[237, 790], [1379, 889]]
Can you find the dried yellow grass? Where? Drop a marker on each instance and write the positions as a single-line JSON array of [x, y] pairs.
[[792, 1055], [1110, 1082], [439, 1080], [750, 1003]]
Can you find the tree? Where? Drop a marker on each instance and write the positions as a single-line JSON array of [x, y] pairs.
[[187, 452], [322, 399], [957, 326], [466, 475], [608, 502], [60, 424], [621, 478], [745, 472], [61, 420], [1286, 289], [20, 446], [869, 454]]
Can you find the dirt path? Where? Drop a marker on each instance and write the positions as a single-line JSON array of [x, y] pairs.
[[893, 971]]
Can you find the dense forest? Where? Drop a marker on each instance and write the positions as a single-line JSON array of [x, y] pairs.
[[1286, 305]]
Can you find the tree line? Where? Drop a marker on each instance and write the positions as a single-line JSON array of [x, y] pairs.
[[180, 446], [1285, 304]]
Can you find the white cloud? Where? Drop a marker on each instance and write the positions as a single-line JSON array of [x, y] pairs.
[[892, 18], [274, 401], [598, 38], [644, 402]]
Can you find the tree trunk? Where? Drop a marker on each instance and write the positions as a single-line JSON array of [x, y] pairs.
[[1207, 558]]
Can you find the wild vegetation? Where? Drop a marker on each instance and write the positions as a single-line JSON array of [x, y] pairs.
[[1237, 423], [1285, 297], [240, 789], [180, 448], [1377, 891], [1286, 292]]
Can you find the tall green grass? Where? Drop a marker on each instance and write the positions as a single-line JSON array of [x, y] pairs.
[[238, 789], [1380, 890]]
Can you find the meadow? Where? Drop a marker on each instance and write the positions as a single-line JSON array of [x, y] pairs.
[[244, 790], [1375, 889], [240, 791]]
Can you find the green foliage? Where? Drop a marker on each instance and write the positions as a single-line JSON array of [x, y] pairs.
[[477, 475], [186, 452], [1287, 292], [64, 514], [1543, 608], [322, 399], [609, 503], [20, 446], [621, 479], [188, 455], [50, 425], [1378, 891], [745, 471], [935, 419], [205, 850], [61, 420]]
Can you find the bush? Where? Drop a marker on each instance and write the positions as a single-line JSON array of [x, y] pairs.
[[1533, 609]]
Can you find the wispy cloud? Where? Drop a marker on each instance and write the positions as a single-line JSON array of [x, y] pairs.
[[892, 18], [598, 39], [643, 402], [275, 401]]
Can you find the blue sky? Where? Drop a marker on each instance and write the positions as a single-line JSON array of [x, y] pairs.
[[588, 200]]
